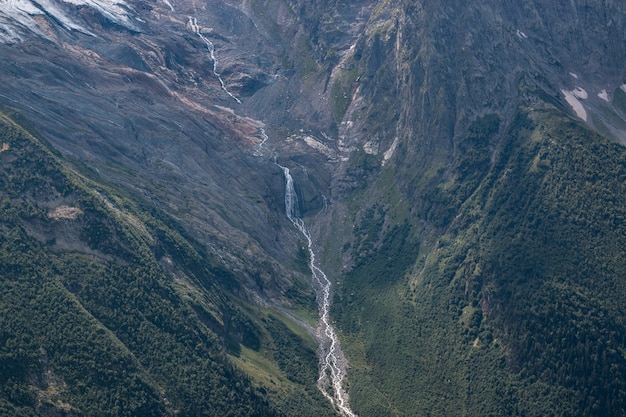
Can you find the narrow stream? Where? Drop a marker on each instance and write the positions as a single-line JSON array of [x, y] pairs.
[[193, 24], [332, 361]]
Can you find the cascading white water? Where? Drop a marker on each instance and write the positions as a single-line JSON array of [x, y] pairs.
[[332, 361], [261, 145], [193, 24]]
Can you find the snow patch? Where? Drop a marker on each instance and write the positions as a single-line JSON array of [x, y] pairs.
[[16, 16], [577, 106], [521, 34], [573, 75], [19, 7], [58, 14], [604, 95], [114, 10], [623, 87]]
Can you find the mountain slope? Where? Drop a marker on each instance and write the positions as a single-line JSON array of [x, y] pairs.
[[458, 165], [109, 311], [517, 309], [91, 323], [478, 216]]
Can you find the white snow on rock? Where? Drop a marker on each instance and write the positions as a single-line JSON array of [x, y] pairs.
[[623, 87], [577, 106], [17, 16], [51, 8], [16, 8], [115, 10], [521, 34], [573, 75], [604, 95]]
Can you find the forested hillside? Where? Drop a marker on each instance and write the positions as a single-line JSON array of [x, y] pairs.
[[108, 310], [517, 308]]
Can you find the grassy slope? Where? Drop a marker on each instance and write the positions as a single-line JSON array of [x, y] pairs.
[[517, 309]]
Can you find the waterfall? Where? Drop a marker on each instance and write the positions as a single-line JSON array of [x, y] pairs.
[[291, 199], [261, 145], [332, 361]]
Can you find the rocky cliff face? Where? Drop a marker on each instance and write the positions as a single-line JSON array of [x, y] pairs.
[[404, 125], [447, 64]]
